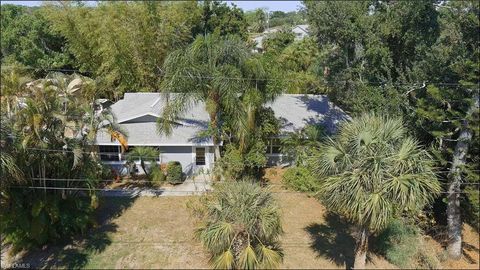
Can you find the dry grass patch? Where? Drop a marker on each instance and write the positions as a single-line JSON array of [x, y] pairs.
[[157, 232], [142, 233], [315, 239]]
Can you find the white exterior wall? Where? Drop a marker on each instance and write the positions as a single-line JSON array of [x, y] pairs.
[[183, 154]]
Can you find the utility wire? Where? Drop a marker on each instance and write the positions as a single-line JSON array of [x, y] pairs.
[[164, 190], [416, 84], [132, 181], [127, 181]]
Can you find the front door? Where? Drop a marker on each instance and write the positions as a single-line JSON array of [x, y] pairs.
[[200, 158]]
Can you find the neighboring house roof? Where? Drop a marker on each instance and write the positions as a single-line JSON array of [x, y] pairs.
[[300, 32], [301, 28], [259, 41], [296, 111], [137, 114], [260, 37]]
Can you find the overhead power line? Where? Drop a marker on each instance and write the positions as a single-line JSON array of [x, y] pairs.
[[165, 190], [379, 83], [148, 181]]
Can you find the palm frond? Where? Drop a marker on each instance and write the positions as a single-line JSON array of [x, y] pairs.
[[224, 260], [77, 156], [248, 258], [217, 236], [269, 257], [372, 170]]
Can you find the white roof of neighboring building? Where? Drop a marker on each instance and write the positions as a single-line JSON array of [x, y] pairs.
[[300, 32], [137, 114], [301, 28]]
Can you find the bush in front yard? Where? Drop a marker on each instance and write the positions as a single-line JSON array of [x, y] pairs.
[[402, 244], [300, 179], [236, 165], [174, 172], [157, 176]]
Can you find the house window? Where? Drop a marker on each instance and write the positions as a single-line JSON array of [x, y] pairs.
[[200, 156], [109, 152], [274, 146]]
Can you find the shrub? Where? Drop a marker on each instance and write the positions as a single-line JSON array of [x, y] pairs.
[[157, 176], [174, 172], [231, 165], [300, 179], [402, 245], [36, 219], [398, 243], [235, 165], [240, 226]]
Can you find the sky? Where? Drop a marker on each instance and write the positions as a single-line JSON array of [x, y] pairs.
[[245, 5]]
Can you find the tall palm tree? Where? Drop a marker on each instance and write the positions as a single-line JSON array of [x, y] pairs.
[[241, 226], [371, 172], [144, 154], [208, 71], [58, 115], [258, 91]]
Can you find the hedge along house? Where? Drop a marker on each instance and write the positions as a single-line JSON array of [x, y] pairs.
[[137, 115]]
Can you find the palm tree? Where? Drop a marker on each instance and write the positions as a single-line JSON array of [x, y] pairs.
[[9, 170], [12, 86], [371, 172], [58, 115], [74, 94], [241, 227], [298, 145], [208, 71], [258, 91], [93, 122], [144, 154]]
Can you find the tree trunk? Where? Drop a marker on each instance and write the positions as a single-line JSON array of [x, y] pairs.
[[8, 107], [454, 218], [213, 113], [142, 164], [455, 179], [361, 249], [216, 139]]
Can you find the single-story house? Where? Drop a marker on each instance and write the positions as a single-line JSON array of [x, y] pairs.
[[300, 31], [137, 115]]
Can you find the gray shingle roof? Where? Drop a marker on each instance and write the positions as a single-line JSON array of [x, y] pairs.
[[297, 111], [136, 113]]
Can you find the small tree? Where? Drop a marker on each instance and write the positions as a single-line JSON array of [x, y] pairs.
[[144, 154], [373, 172], [298, 145], [241, 226]]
